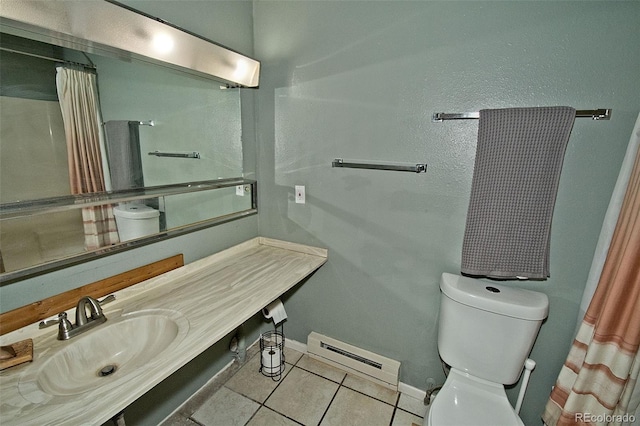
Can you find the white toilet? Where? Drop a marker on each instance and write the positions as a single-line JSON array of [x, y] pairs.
[[485, 334], [136, 220]]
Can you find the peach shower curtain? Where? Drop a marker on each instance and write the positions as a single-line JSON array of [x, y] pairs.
[[596, 381], [77, 93]]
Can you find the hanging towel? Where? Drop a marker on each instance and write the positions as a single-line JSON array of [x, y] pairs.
[[123, 153], [515, 180]]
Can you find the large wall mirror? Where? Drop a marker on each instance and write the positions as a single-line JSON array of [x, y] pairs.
[[103, 149]]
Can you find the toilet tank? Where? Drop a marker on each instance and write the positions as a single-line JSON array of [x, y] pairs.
[[486, 329]]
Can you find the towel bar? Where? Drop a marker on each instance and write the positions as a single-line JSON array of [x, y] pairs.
[[594, 114], [193, 154], [140, 123], [417, 168]]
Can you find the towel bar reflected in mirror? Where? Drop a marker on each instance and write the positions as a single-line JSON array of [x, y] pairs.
[[193, 154]]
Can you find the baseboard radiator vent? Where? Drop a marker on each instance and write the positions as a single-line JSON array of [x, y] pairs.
[[359, 362]]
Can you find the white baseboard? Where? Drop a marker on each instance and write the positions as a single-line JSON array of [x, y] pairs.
[[411, 391], [295, 345]]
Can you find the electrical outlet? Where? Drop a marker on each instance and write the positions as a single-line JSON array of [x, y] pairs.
[[300, 195]]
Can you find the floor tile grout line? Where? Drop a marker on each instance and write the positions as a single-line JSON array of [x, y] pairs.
[[320, 375], [274, 389], [332, 399], [393, 415], [262, 404], [190, 418], [373, 397], [410, 412], [284, 415], [395, 409]]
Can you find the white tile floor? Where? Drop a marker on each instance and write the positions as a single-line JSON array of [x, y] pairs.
[[309, 393]]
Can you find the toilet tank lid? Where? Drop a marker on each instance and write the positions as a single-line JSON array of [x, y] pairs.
[[135, 211], [496, 298]]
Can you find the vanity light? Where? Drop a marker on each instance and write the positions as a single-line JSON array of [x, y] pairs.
[[241, 69], [163, 43], [63, 23]]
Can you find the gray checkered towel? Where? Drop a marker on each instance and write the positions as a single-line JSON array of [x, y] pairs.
[[515, 180], [123, 152]]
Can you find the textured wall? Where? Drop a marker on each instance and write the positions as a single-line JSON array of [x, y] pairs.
[[360, 80]]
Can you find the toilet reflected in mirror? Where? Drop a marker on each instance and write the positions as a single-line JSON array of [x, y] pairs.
[[136, 220]]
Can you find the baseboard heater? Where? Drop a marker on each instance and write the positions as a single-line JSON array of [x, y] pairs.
[[357, 361]]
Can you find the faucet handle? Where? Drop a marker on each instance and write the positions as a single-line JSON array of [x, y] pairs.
[[65, 326], [62, 318], [48, 323], [109, 298]]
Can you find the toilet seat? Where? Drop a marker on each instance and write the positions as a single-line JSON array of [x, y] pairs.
[[468, 400]]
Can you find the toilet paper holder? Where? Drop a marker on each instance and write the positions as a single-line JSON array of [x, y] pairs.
[[272, 354], [275, 312]]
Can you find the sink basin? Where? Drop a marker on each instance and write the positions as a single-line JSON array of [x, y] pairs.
[[119, 349]]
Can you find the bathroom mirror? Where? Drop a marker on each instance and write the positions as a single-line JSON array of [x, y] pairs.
[[46, 234], [184, 125]]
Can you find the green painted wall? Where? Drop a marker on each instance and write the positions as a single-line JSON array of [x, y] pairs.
[[360, 80]]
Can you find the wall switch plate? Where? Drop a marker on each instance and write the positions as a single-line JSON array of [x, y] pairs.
[[300, 195]]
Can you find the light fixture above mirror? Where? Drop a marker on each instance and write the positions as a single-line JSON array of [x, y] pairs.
[[109, 28]]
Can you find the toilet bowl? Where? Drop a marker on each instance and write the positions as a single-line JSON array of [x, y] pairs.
[[485, 334], [136, 220], [465, 400]]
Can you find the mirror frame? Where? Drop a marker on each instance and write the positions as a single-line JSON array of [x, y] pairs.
[[90, 26], [56, 204]]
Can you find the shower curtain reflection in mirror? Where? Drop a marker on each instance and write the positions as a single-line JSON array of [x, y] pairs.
[[78, 97]]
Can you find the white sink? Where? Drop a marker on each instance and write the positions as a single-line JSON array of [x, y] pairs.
[[117, 350]]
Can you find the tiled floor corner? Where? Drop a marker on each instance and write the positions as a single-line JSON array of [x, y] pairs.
[[309, 393]]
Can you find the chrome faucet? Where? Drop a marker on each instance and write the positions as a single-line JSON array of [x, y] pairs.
[[84, 321], [94, 309]]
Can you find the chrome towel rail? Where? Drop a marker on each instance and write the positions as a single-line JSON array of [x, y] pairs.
[[417, 168], [193, 154], [150, 123], [594, 114]]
